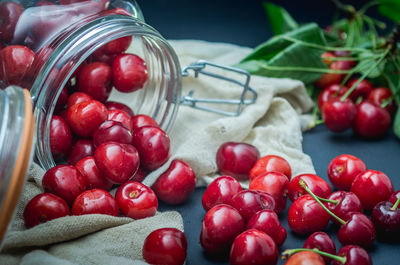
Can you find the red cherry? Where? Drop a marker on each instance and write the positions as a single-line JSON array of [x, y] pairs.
[[95, 201], [338, 115], [62, 100], [371, 121], [371, 187], [333, 78], [136, 200], [175, 185], [44, 207], [343, 204], [253, 247], [331, 91], [44, 3], [85, 117], [64, 181], [249, 202], [91, 174], [153, 145], [327, 58], [82, 148], [15, 61], [121, 106], [166, 246], [236, 159], [342, 53], [267, 221], [221, 190], [120, 116], [343, 169], [60, 137], [116, 11], [78, 97], [9, 13], [100, 56], [318, 186], [321, 241], [129, 72], [379, 95], [140, 175], [358, 230], [386, 218], [363, 89], [221, 225], [118, 162], [354, 255], [112, 131], [117, 46], [271, 163], [95, 80], [141, 120], [305, 258], [394, 197], [306, 216], [274, 183]]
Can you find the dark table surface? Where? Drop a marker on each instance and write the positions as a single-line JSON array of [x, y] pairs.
[[244, 23]]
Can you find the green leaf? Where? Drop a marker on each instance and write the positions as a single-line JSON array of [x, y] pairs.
[[390, 9], [279, 19], [392, 75], [396, 124], [267, 50], [365, 64]]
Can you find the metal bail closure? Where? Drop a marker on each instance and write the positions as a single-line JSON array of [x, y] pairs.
[[199, 68]]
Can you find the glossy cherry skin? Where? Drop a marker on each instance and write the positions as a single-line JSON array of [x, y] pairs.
[[95, 80], [305, 258], [153, 145], [371, 187], [120, 116], [348, 203], [175, 185], [306, 216], [62, 100], [253, 247], [78, 97], [15, 63], [100, 56], [321, 241], [249, 202], [221, 225], [60, 137], [117, 46], [117, 11], [140, 175], [121, 106], [165, 246], [274, 183], [393, 198], [118, 162], [64, 181], [85, 117], [267, 221], [236, 159], [136, 200], [112, 131], [329, 92], [10, 13], [129, 72], [316, 184], [363, 89], [94, 179], [82, 148], [95, 201], [44, 207], [371, 121], [271, 163], [355, 255], [221, 190], [338, 115], [386, 221], [141, 120], [358, 230], [379, 95], [343, 169], [333, 78]]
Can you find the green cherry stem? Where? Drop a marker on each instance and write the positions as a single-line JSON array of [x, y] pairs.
[[289, 252], [394, 207], [327, 200], [304, 186]]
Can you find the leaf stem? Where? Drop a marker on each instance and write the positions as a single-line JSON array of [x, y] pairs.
[[289, 252], [327, 200], [394, 207], [301, 69]]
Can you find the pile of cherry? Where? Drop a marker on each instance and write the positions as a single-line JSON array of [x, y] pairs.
[[245, 224], [367, 110]]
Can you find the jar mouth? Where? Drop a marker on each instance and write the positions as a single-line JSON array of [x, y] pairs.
[[159, 98]]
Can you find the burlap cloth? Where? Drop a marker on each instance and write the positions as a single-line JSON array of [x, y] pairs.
[[273, 124]]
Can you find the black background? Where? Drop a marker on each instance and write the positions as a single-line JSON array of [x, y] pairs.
[[244, 23]]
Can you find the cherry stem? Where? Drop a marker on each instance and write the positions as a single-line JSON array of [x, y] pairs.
[[394, 207], [304, 186], [289, 252], [327, 200]]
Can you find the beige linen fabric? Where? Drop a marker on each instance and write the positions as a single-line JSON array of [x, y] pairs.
[[273, 124]]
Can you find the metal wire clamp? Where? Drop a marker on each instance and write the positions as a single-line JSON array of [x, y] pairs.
[[199, 68]]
